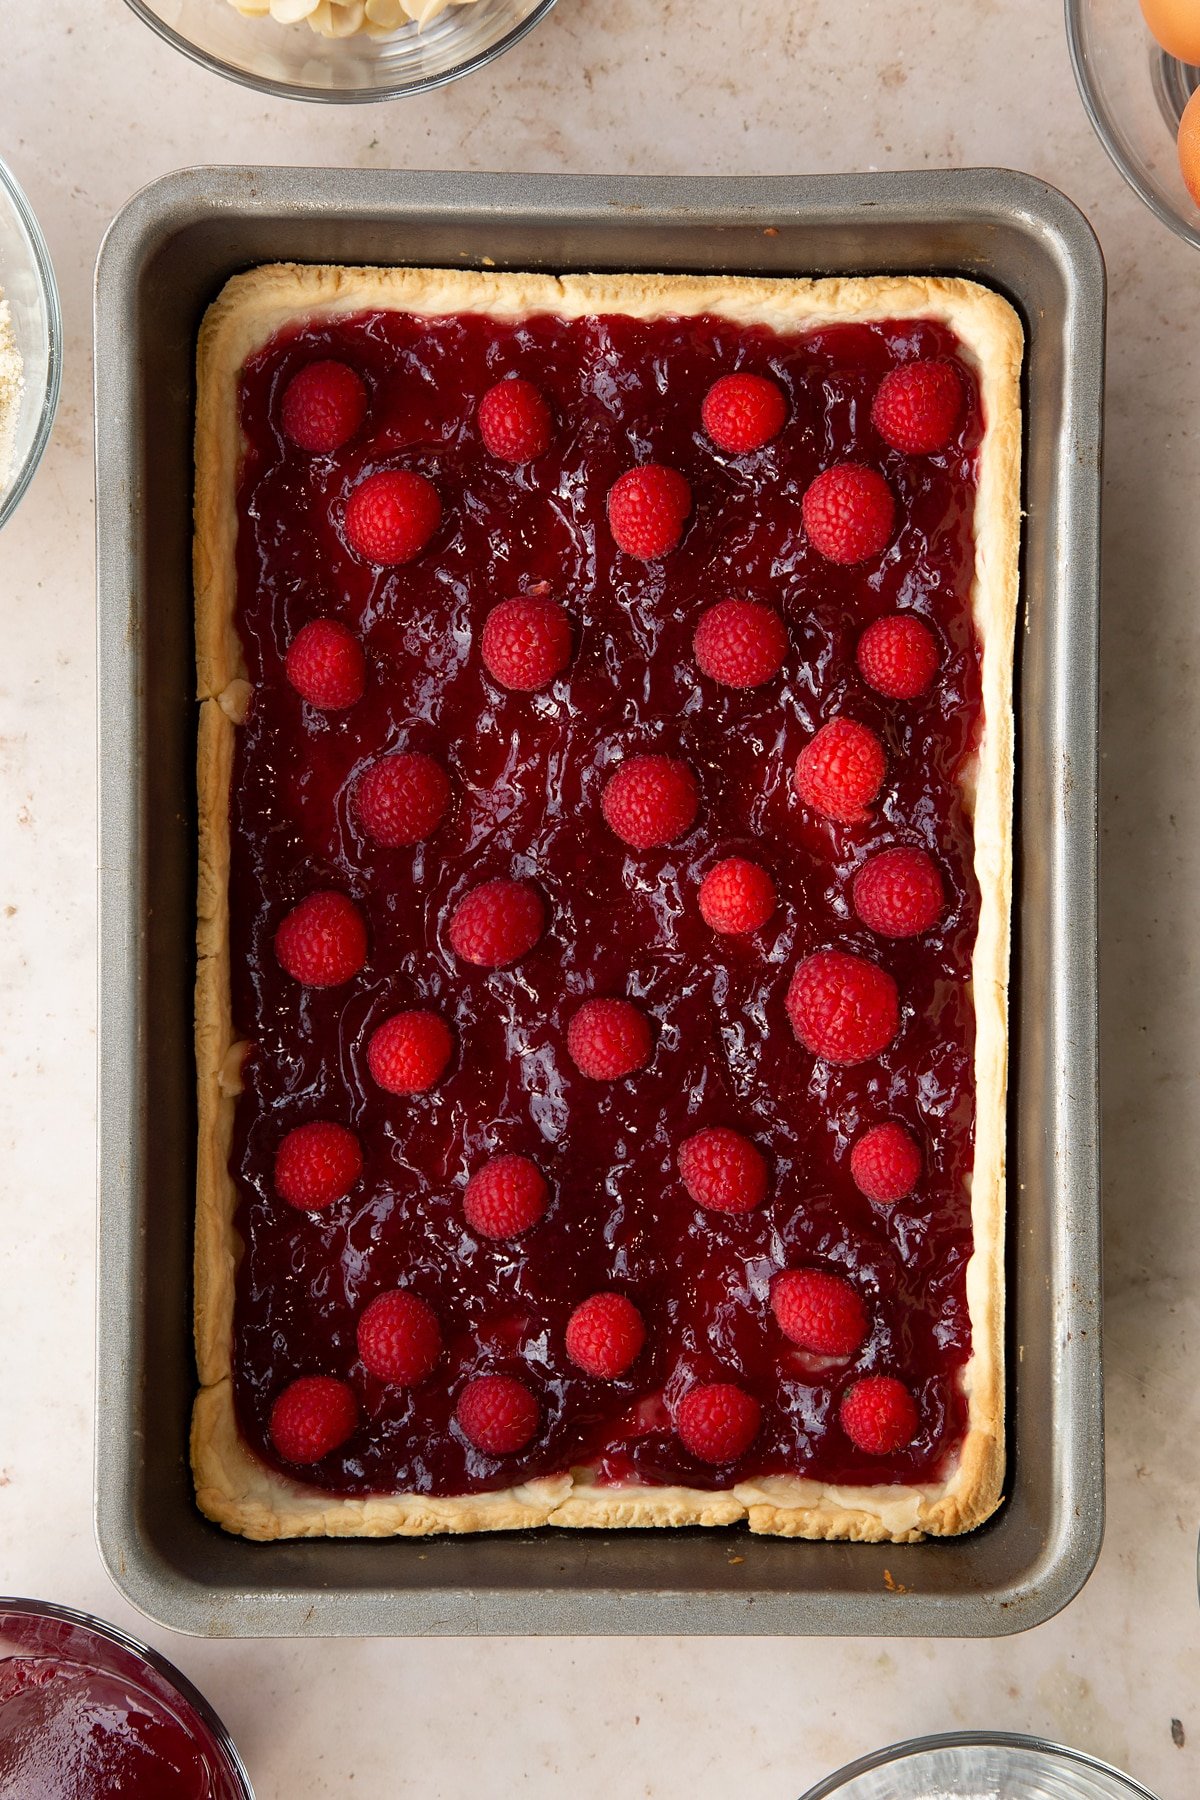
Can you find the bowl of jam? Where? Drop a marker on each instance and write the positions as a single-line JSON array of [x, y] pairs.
[[87, 1712]]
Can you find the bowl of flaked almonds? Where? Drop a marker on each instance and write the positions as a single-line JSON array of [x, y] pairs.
[[342, 50]]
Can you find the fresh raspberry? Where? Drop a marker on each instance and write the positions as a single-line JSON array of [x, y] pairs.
[[843, 1007], [608, 1039], [390, 517], [323, 406], [899, 893], [723, 1170], [879, 1415], [886, 1163], [605, 1335], [743, 412], [323, 941], [647, 510], [497, 923], [402, 799], [526, 643], [841, 770], [316, 1164], [916, 407], [736, 896], [326, 666], [505, 1197], [409, 1052], [650, 800], [514, 421], [849, 513], [311, 1418], [820, 1312], [740, 643], [497, 1414], [898, 656], [399, 1338], [719, 1422]]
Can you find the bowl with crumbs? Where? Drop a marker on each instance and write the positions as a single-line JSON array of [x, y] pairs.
[[30, 344], [978, 1765], [342, 50]]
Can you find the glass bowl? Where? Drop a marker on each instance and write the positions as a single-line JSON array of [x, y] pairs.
[[978, 1765], [67, 1680], [27, 282], [1134, 93], [294, 63]]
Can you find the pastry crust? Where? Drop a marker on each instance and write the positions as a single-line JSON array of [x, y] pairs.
[[233, 1486]]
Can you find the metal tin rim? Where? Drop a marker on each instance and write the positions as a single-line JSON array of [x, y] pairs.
[[977, 200]]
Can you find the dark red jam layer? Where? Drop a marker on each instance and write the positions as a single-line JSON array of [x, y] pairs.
[[527, 774], [73, 1733], [82, 1718]]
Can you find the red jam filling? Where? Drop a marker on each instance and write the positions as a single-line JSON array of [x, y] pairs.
[[84, 1719], [527, 772]]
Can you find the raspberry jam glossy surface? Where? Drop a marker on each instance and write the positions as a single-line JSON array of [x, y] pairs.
[[527, 772], [84, 1715]]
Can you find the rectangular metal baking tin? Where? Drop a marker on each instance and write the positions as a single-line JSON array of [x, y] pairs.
[[164, 259]]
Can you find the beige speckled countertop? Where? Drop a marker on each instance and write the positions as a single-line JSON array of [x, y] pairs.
[[92, 106]]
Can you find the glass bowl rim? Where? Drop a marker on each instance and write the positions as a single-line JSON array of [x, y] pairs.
[[1073, 10], [953, 1740], [70, 1615], [44, 270], [336, 96]]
